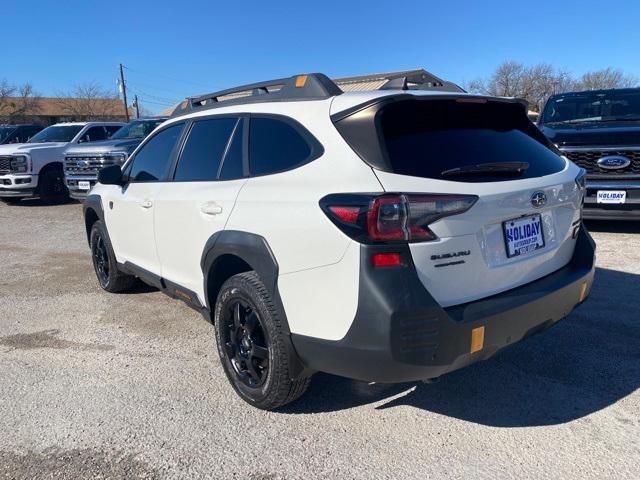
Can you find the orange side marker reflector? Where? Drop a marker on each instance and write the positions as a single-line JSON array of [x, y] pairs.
[[583, 291], [300, 81], [477, 339]]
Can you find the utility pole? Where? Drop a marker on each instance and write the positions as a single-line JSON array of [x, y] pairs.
[[124, 94], [135, 102]]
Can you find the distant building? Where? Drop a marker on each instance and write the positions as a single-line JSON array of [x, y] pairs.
[[49, 110]]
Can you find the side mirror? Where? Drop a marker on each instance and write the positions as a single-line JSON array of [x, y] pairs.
[[111, 175]]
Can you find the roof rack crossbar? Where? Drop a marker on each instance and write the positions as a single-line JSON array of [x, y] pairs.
[[419, 80], [312, 86]]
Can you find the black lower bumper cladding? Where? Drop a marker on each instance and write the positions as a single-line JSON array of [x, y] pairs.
[[401, 334]]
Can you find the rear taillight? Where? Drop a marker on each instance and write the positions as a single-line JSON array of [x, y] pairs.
[[392, 218]]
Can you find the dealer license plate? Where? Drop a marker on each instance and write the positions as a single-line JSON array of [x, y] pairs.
[[84, 185], [523, 235], [611, 196]]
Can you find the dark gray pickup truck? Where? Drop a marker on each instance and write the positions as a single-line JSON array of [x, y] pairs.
[[83, 162], [599, 130]]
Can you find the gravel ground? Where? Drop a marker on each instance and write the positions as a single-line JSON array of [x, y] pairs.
[[111, 386]]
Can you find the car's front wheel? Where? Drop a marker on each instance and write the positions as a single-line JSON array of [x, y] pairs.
[[51, 187], [251, 344], [104, 262]]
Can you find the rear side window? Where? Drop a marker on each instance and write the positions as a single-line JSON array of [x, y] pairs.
[[94, 134], [111, 129], [204, 149], [152, 160], [276, 145], [431, 138], [232, 167]]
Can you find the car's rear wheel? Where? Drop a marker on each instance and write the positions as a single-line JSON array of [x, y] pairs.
[[251, 344], [104, 262], [51, 187]]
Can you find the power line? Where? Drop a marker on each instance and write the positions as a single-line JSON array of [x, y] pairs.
[[173, 79], [145, 100], [157, 97]]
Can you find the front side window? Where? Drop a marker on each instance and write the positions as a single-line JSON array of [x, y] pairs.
[[274, 146], [152, 160], [136, 129], [57, 133], [204, 149]]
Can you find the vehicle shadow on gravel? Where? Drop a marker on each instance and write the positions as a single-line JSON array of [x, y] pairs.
[[612, 227], [582, 365]]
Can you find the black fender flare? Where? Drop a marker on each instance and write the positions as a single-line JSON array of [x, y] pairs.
[[255, 251], [92, 202]]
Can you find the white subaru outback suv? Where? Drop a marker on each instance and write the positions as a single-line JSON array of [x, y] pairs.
[[386, 236]]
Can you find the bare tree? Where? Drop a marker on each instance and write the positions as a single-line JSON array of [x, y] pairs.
[[25, 104], [90, 101], [513, 79], [18, 104], [7, 91], [606, 78]]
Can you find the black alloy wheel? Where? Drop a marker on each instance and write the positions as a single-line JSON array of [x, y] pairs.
[[104, 261], [245, 343], [101, 260], [51, 189]]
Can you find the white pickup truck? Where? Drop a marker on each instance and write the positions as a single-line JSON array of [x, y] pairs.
[[35, 168]]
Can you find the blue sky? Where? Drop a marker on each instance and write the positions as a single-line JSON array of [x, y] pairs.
[[179, 48]]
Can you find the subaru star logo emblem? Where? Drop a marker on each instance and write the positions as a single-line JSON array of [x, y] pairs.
[[538, 199], [614, 162]]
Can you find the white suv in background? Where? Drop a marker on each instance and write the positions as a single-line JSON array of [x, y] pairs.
[[35, 168], [385, 236]]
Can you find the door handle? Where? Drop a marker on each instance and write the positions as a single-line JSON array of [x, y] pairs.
[[211, 208], [146, 203]]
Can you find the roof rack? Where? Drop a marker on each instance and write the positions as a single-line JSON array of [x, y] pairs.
[[418, 79], [312, 86]]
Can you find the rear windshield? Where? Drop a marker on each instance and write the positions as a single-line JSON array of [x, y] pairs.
[[468, 142]]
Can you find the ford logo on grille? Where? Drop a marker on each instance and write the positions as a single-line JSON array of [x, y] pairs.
[[538, 199], [614, 162], [83, 163]]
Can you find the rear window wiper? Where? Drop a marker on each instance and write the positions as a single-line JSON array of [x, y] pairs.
[[508, 168]]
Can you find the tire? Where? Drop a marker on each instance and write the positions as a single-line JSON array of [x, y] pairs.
[[104, 262], [251, 341], [51, 187]]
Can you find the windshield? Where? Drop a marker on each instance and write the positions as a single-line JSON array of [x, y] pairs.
[[5, 132], [56, 133], [609, 106], [136, 129]]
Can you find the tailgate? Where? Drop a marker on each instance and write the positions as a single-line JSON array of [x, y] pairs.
[[469, 259]]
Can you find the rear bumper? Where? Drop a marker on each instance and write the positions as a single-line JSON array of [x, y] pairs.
[[401, 334]]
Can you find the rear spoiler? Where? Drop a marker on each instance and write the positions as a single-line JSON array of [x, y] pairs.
[[462, 98]]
